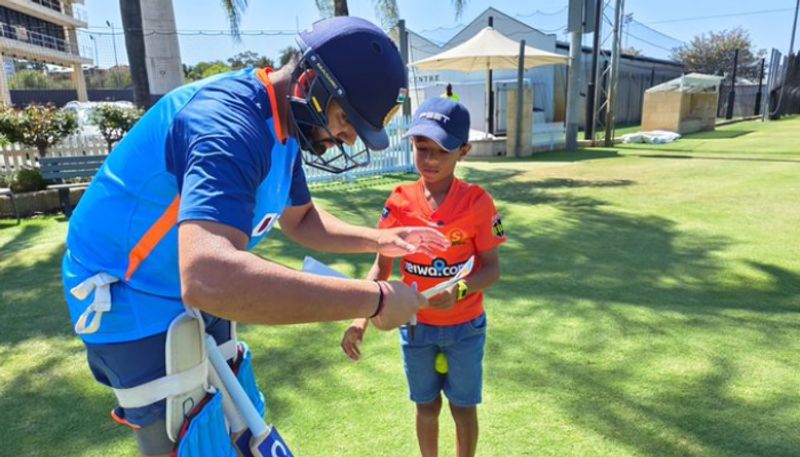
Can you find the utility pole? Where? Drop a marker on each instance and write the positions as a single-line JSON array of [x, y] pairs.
[[575, 29], [732, 93], [614, 77], [591, 92], [520, 99], [794, 27], [114, 42], [489, 93], [401, 29], [757, 108]]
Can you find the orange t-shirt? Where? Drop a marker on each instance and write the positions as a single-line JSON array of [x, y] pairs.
[[468, 218]]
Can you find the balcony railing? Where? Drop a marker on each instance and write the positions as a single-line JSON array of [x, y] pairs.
[[35, 38], [52, 4]]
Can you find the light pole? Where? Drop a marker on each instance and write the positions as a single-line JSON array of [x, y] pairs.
[[96, 59], [114, 41]]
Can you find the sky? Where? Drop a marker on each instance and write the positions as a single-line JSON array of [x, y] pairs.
[[268, 25]]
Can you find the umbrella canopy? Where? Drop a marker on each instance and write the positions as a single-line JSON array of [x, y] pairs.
[[488, 50]]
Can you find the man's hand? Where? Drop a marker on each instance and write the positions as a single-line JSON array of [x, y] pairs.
[[444, 300], [398, 242], [400, 303], [353, 337]]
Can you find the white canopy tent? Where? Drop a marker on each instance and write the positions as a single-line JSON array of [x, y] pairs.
[[489, 50]]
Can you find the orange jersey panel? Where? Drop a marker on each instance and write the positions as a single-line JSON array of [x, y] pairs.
[[468, 218]]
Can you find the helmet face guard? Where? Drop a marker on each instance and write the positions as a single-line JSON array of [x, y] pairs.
[[308, 104]]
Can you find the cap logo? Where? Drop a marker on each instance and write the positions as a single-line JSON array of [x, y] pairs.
[[434, 116], [321, 70]]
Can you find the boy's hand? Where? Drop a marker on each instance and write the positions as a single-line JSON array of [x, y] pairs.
[[353, 337], [444, 300], [398, 242], [400, 303]]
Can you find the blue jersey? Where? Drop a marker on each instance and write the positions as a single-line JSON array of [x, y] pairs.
[[208, 151]]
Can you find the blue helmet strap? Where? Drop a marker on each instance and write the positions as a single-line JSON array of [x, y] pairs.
[[308, 103]]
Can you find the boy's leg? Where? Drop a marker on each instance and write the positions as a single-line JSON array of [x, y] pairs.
[[428, 427], [466, 420], [424, 384], [464, 380]]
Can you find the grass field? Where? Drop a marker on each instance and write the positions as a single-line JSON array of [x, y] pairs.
[[649, 306]]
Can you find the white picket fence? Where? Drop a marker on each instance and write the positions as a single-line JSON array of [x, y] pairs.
[[397, 158], [14, 157]]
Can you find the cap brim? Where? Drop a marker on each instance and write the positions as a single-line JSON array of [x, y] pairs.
[[433, 131]]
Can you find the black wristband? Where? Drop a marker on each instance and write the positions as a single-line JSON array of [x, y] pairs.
[[381, 299]]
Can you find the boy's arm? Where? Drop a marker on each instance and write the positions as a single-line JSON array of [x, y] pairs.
[[354, 335], [483, 278]]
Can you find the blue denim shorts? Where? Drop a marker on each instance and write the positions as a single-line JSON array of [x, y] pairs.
[[462, 345]]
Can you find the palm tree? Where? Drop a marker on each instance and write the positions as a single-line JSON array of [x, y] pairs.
[[386, 10]]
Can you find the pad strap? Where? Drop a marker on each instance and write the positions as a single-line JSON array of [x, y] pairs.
[[100, 284], [161, 388]]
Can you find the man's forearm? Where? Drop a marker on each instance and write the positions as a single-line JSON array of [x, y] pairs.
[[240, 286], [321, 231]]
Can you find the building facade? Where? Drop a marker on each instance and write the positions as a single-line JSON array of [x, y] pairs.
[[42, 31]]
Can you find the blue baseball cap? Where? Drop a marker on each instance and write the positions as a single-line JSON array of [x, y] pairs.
[[367, 72], [442, 120]]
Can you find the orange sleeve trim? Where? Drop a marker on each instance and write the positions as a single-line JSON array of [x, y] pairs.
[[273, 102], [152, 237]]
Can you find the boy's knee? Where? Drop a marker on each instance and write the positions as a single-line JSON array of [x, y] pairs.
[[464, 415], [430, 410]]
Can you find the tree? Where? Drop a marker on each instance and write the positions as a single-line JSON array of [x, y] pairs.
[[249, 59], [713, 54], [132, 26], [631, 51], [40, 126], [35, 79], [114, 121], [215, 68], [114, 77], [286, 55]]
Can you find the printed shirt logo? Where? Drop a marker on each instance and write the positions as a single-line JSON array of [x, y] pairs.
[[437, 269], [265, 224], [497, 227], [456, 237]]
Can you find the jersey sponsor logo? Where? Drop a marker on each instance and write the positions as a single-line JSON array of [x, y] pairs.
[[385, 212], [456, 237], [439, 268], [265, 224], [497, 227]]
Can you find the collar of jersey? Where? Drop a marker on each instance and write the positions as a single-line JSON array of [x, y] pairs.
[[273, 102]]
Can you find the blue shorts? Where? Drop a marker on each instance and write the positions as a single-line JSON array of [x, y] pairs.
[[462, 345], [129, 364]]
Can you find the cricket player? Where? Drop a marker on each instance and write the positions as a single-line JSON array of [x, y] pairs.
[[158, 248]]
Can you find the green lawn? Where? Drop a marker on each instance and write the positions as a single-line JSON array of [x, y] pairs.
[[649, 306]]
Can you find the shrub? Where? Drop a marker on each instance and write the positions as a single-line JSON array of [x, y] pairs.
[[27, 180], [114, 121], [40, 126]]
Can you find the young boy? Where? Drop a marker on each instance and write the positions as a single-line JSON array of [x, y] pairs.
[[445, 352]]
